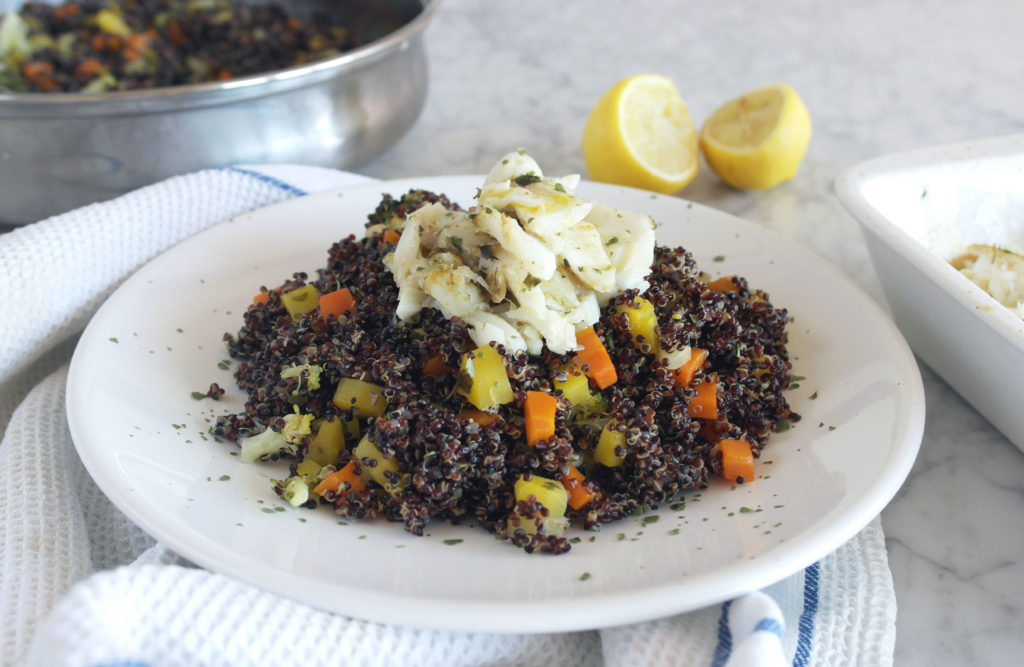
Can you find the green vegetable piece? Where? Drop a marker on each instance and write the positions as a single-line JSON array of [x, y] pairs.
[[111, 22], [328, 443], [380, 469], [483, 380], [264, 444], [296, 491], [611, 439], [300, 301], [368, 398]]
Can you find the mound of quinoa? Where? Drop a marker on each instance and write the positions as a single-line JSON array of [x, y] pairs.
[[463, 472]]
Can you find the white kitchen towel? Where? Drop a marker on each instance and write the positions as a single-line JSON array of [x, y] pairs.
[[81, 585]]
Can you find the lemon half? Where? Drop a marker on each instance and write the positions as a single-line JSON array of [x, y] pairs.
[[758, 140], [640, 134]]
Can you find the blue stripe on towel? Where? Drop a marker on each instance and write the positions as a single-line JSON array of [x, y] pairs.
[[277, 183], [124, 663], [724, 647], [769, 625], [806, 623]]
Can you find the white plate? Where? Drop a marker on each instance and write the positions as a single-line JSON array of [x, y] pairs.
[[920, 209], [158, 338]]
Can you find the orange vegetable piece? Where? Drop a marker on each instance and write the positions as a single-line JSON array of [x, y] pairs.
[[262, 297], [737, 460], [334, 481], [40, 73], [88, 68], [684, 374], [135, 46], [723, 284], [336, 303], [435, 366], [61, 12], [107, 43], [391, 236], [579, 494], [539, 411], [595, 357], [705, 404], [712, 430], [176, 33], [479, 416]]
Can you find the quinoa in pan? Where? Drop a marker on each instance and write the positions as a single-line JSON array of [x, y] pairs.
[[388, 405], [95, 46]]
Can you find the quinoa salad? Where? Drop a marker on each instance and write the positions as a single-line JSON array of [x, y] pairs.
[[527, 364], [96, 46]]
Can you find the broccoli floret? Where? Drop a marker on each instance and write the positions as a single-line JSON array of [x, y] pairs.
[[264, 444], [297, 427], [391, 212], [296, 490], [286, 441], [307, 376]]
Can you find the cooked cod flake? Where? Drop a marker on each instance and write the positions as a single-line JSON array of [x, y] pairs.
[[526, 267]]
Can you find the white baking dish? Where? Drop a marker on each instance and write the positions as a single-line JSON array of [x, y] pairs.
[[920, 209]]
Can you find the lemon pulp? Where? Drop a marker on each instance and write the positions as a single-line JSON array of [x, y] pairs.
[[640, 134], [759, 139]]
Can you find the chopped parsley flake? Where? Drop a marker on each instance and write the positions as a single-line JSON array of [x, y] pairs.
[[526, 179]]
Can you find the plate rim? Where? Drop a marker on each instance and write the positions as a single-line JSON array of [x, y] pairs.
[[495, 617]]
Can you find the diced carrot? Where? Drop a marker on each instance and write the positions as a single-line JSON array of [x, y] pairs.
[[89, 68], [595, 357], [334, 481], [723, 284], [225, 75], [712, 430], [135, 46], [435, 366], [337, 303], [61, 12], [684, 374], [40, 73], [262, 297], [479, 416], [176, 33], [580, 495], [391, 237], [104, 43], [705, 404], [539, 412], [737, 460]]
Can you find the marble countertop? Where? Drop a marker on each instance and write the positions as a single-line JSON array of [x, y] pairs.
[[878, 77]]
